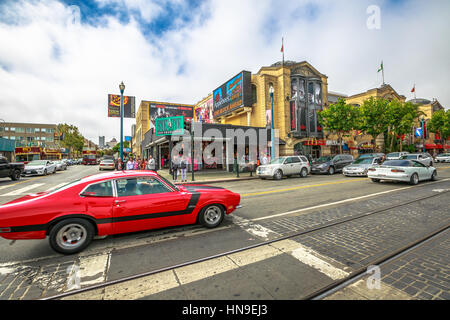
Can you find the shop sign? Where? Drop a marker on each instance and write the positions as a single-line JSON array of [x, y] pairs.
[[164, 110], [169, 126]]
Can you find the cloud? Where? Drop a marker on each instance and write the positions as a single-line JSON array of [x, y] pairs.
[[55, 68]]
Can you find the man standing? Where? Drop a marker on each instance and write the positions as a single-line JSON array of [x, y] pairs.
[[174, 163], [130, 164], [151, 163]]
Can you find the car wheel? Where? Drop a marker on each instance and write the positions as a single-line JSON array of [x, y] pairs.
[[331, 170], [278, 175], [71, 235], [434, 175], [16, 175], [414, 179], [45, 172], [303, 172], [211, 216], [375, 180]]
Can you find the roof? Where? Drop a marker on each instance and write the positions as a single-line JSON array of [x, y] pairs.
[[419, 101], [117, 175]]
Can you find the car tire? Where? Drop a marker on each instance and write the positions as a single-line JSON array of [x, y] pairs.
[[278, 175], [16, 175], [434, 175], [303, 173], [414, 179], [211, 216], [375, 180], [331, 170], [45, 172], [81, 234]]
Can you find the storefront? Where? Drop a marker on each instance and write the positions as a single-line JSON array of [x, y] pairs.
[[27, 154]]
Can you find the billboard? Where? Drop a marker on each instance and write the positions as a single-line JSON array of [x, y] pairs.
[[233, 94], [165, 110], [169, 126], [129, 109], [204, 112]]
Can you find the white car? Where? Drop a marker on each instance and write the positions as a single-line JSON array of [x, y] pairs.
[[285, 166], [40, 167], [396, 155], [359, 167], [443, 157], [411, 171], [423, 157]]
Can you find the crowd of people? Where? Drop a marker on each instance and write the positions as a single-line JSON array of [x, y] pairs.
[[137, 164]]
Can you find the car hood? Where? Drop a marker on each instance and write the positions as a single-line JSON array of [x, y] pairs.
[[319, 163], [34, 167], [359, 165]]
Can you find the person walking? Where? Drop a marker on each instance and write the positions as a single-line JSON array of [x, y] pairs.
[[130, 164], [151, 163], [183, 168], [174, 164]]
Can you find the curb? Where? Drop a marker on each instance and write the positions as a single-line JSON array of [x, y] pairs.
[[217, 181]]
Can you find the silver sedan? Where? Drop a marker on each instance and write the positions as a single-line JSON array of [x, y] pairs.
[[360, 166], [411, 171]]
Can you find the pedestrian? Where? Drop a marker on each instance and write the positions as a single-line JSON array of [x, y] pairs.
[[264, 159], [144, 164], [119, 165], [174, 165], [130, 164], [136, 164], [151, 163], [183, 168]]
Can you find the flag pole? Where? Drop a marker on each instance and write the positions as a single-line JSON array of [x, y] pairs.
[[382, 71]]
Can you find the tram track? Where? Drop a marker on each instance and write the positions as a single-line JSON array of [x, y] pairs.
[[317, 294]]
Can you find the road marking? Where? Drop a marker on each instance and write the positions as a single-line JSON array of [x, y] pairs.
[[339, 202], [57, 186], [302, 187], [23, 181], [94, 268], [22, 190], [253, 228]]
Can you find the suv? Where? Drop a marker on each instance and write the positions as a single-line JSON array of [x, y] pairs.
[[284, 166], [396, 155], [423, 157], [331, 164]]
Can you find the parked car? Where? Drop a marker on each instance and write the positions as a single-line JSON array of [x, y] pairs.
[[422, 157], [40, 167], [284, 166], [331, 164], [359, 167], [112, 203], [11, 170], [443, 157], [370, 155], [60, 165], [406, 170], [396, 155], [107, 164]]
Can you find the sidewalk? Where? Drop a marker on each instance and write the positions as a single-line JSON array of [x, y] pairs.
[[209, 176]]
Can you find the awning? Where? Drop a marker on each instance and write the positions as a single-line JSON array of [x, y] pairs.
[[433, 146]]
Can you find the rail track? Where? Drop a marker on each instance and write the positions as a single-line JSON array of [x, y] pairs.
[[319, 294]]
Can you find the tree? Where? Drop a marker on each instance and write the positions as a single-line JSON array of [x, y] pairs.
[[440, 123], [116, 148], [374, 117], [71, 138], [339, 118]]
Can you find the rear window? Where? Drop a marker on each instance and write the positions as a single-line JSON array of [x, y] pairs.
[[410, 156], [397, 163], [394, 154], [304, 159]]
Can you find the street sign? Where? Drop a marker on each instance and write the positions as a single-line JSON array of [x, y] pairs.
[[127, 149], [169, 126], [127, 138], [419, 132]]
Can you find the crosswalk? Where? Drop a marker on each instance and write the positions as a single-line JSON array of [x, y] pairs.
[[35, 187]]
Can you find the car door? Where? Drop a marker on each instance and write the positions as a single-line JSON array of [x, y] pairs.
[[288, 166], [421, 170], [4, 167], [337, 163], [296, 165], [144, 203]]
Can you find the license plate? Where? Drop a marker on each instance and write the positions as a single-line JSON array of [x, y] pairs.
[[28, 172]]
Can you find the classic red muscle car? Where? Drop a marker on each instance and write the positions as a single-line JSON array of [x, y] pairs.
[[112, 203]]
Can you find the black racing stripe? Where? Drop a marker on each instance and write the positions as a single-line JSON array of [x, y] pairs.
[[190, 207], [193, 188]]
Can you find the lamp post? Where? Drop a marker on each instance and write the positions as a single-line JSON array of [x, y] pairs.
[[272, 135], [122, 89]]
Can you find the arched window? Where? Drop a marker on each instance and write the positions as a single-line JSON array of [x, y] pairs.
[[254, 94]]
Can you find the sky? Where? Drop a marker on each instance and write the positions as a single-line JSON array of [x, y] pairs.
[[59, 59]]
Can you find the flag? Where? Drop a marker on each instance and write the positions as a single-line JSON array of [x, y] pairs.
[[413, 89], [281, 47], [381, 67]]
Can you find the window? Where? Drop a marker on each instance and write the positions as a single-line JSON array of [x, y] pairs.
[[20, 130], [42, 129], [304, 159], [295, 159], [288, 160], [140, 186], [50, 139], [418, 164], [254, 94], [103, 189], [30, 130]]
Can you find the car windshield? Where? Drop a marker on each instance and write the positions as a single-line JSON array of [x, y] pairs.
[[278, 160], [396, 163], [393, 154], [37, 163], [410, 156], [168, 182], [363, 161], [324, 159]]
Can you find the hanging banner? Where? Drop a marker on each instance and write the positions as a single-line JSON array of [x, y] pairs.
[[129, 109]]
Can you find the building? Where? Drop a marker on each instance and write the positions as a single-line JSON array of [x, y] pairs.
[[101, 142], [111, 144], [7, 149], [142, 126], [30, 134]]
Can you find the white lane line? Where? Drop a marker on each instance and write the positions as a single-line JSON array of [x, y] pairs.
[[94, 268], [254, 228], [339, 202], [22, 190], [57, 186]]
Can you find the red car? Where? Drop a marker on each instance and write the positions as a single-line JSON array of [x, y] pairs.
[[112, 203]]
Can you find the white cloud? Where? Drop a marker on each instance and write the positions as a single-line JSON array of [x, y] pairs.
[[52, 70]]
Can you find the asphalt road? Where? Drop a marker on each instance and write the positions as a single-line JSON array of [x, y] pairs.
[[270, 208]]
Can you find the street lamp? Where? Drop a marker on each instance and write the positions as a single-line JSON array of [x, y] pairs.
[[272, 135], [122, 89]]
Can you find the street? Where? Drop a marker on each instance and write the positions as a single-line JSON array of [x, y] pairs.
[[293, 268]]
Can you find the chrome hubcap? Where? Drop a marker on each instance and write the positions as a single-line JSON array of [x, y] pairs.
[[213, 215], [71, 236]]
